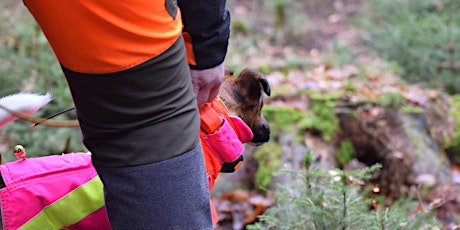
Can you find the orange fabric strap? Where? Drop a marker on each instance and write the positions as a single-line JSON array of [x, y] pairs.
[[189, 48], [211, 116]]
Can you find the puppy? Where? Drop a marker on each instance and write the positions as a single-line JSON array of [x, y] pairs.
[[244, 97]]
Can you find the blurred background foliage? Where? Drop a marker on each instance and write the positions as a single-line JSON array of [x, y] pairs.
[[418, 40], [27, 64], [422, 36]]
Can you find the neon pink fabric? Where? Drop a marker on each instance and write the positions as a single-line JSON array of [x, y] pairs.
[[241, 129], [95, 221], [224, 143], [34, 183]]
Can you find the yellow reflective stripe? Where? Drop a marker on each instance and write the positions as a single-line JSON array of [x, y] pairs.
[[71, 208]]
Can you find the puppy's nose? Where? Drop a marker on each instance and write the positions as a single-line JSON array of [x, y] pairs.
[[261, 134]]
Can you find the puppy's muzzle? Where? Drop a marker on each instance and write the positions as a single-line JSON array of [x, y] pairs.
[[261, 134]]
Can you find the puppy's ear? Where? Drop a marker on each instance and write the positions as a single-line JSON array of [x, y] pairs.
[[265, 85], [255, 74]]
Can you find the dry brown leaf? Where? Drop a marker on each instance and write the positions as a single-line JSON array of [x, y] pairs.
[[236, 196]]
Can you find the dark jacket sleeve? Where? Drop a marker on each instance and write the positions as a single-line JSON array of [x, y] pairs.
[[207, 24]]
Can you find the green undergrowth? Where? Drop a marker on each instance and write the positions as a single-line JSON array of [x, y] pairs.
[[337, 200], [420, 35], [318, 118], [28, 64]]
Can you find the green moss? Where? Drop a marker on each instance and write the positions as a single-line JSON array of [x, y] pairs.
[[325, 120], [411, 109], [320, 117], [323, 117], [283, 117], [345, 152], [268, 156], [350, 86], [392, 100], [454, 144], [263, 178]]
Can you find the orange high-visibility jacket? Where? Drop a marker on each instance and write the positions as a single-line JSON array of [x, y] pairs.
[[100, 37]]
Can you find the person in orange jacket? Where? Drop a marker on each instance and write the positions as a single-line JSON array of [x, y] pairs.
[[138, 71]]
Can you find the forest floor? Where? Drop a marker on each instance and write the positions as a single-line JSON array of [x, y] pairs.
[[311, 51], [305, 45]]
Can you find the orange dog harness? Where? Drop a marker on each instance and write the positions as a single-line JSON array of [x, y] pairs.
[[222, 137]]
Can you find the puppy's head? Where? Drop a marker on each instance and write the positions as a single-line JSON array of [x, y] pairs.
[[244, 97]]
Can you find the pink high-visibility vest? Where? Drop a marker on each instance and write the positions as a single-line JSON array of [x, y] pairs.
[[53, 192]]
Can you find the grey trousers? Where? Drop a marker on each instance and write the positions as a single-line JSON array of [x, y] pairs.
[[171, 194]]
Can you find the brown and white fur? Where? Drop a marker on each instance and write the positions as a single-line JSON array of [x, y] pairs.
[[244, 97]]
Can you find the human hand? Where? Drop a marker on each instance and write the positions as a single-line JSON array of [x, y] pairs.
[[206, 83]]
